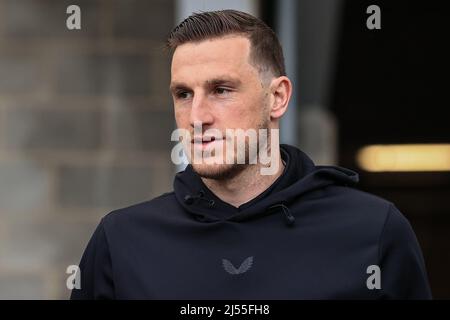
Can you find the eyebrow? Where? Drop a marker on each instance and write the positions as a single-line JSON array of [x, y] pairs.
[[225, 80]]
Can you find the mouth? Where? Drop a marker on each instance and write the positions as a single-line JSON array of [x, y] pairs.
[[204, 142]]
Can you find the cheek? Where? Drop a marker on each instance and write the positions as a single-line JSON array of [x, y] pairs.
[[236, 115], [239, 118], [182, 117], [250, 112]]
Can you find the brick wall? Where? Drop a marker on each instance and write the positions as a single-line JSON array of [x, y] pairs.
[[85, 123]]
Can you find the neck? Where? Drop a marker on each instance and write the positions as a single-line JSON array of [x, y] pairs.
[[245, 186]]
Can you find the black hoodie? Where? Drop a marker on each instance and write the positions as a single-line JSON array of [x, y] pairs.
[[310, 235]]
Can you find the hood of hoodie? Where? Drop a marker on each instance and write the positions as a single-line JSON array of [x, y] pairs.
[[299, 177]]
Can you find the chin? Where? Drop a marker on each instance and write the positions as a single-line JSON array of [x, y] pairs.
[[218, 171]]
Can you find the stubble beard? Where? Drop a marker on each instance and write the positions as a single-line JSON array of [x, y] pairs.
[[226, 171]]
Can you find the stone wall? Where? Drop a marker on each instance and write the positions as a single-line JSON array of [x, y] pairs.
[[85, 123]]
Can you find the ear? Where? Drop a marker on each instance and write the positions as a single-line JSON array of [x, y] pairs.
[[281, 91]]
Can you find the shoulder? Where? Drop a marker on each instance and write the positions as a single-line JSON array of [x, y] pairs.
[[359, 202], [370, 213], [140, 210]]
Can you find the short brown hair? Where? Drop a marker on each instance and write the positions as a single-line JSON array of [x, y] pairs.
[[265, 52]]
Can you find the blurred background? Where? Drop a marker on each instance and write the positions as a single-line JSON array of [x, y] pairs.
[[86, 117]]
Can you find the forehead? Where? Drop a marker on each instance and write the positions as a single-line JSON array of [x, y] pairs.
[[228, 54]]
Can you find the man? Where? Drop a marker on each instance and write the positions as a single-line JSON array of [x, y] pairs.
[[228, 231]]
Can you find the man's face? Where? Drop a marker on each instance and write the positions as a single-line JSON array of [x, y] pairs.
[[214, 84]]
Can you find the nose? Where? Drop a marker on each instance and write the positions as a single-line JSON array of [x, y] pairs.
[[201, 111]]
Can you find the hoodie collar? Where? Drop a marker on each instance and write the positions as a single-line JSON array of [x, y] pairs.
[[300, 176]]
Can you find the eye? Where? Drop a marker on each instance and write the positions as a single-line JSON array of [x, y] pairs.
[[183, 95], [222, 90]]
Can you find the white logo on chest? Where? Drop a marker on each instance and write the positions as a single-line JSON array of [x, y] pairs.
[[244, 267]]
